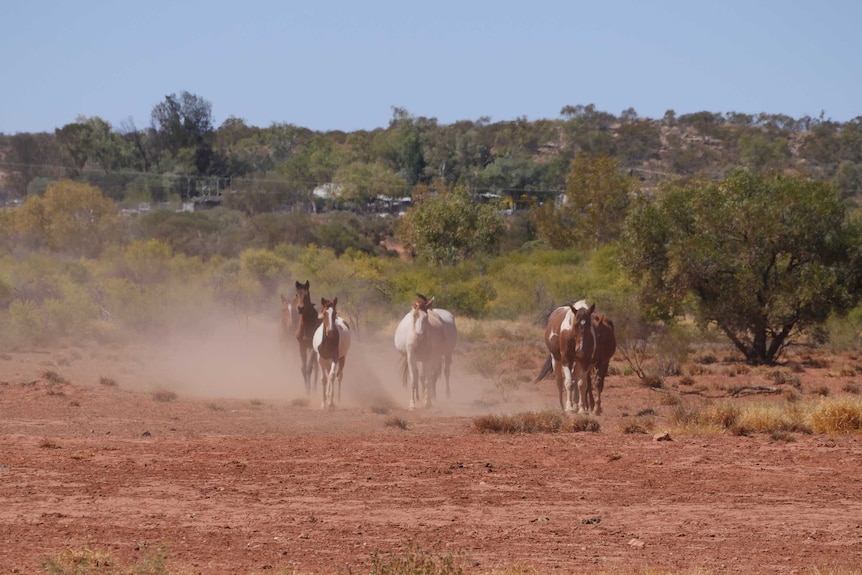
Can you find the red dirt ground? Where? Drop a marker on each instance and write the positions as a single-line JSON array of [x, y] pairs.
[[237, 475]]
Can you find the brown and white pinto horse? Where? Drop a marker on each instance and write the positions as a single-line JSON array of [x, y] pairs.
[[307, 321], [426, 338], [571, 342], [331, 342]]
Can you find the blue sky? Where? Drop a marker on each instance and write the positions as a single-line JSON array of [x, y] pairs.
[[343, 64]]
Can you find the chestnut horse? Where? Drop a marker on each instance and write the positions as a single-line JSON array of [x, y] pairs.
[[307, 321], [606, 346], [571, 342], [426, 338], [331, 342]]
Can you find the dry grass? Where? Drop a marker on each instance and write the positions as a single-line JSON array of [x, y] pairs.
[[164, 395], [53, 377], [535, 422], [395, 421], [107, 382], [840, 415]]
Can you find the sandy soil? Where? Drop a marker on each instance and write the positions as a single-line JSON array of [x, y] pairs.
[[239, 472]]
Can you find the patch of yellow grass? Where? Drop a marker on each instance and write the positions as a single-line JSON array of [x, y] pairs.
[[839, 415]]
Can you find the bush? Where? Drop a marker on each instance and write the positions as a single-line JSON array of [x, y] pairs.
[[837, 416]]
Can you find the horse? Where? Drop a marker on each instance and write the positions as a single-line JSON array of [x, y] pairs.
[[571, 341], [606, 346], [331, 342], [289, 316], [307, 321], [426, 338]]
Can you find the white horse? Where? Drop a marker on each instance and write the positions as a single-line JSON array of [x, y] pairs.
[[426, 338], [331, 342]]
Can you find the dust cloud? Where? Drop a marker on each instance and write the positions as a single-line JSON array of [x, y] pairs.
[[256, 361]]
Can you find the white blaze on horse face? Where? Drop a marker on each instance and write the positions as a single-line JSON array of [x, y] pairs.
[[420, 318], [328, 320]]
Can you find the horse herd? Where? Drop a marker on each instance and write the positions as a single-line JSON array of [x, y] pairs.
[[580, 346]]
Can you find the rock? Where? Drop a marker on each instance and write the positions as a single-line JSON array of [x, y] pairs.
[[664, 436]]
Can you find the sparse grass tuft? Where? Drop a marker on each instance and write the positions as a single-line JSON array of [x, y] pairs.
[[395, 421], [639, 425], [53, 377], [528, 422], [821, 390], [851, 388], [415, 562], [108, 382], [164, 395], [299, 402], [90, 562], [49, 444]]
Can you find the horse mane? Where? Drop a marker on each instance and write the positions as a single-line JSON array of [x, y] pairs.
[[600, 318]]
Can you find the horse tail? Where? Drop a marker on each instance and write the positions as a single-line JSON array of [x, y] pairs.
[[546, 369]]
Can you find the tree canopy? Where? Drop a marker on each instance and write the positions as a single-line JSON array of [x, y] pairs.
[[761, 256]]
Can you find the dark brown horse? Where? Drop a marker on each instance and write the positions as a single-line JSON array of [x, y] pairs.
[[603, 350], [331, 343], [307, 321], [571, 342], [606, 346]]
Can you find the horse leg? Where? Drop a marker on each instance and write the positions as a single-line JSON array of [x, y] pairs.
[[413, 373], [568, 384], [340, 376], [558, 377], [583, 388], [324, 383], [447, 364], [303, 355], [601, 372], [313, 368]]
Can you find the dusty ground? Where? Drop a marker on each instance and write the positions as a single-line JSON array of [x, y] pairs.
[[238, 474]]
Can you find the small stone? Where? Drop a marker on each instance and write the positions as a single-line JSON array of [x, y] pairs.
[[664, 436]]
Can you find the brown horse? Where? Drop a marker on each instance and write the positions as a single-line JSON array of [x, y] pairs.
[[307, 321], [606, 346], [571, 342], [604, 349], [331, 342]]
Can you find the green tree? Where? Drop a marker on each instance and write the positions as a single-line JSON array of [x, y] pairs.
[[75, 142], [597, 195], [360, 183], [451, 227], [762, 256]]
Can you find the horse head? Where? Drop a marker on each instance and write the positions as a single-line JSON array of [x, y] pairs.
[[303, 296], [327, 315], [420, 313], [583, 323]]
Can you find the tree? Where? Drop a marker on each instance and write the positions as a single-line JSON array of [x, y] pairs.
[[184, 128], [72, 218], [597, 194], [762, 256], [360, 183], [450, 227]]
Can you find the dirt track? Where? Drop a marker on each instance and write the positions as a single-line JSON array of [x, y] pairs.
[[236, 476]]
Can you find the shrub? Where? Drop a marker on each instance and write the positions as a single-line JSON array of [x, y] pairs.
[[837, 416]]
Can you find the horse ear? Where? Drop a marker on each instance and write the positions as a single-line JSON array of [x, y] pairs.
[[592, 308], [298, 285], [307, 284], [430, 302], [323, 301], [335, 301]]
